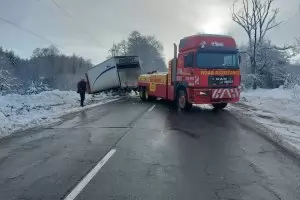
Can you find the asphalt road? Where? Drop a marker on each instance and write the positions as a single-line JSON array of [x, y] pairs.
[[160, 153]]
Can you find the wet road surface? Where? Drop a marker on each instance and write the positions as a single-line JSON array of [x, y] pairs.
[[160, 154]]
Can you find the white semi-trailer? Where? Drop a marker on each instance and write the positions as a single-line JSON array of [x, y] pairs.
[[119, 72]]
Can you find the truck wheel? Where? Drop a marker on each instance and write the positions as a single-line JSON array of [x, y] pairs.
[[149, 97], [146, 94], [182, 102], [142, 93], [219, 106]]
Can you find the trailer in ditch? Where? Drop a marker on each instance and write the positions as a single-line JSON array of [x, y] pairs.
[[119, 73]]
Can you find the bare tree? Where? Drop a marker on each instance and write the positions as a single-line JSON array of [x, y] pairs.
[[271, 66], [257, 18], [298, 45], [122, 46], [7, 79], [114, 50], [148, 48]]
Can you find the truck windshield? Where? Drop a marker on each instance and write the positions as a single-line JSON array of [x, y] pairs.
[[217, 60]]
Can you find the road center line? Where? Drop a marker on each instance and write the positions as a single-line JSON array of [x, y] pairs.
[[150, 109], [81, 185]]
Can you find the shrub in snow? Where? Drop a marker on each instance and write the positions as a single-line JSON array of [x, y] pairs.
[[296, 92], [8, 83], [36, 88]]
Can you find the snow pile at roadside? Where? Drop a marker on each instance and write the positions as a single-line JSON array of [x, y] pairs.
[[20, 112], [133, 94], [279, 111], [282, 102]]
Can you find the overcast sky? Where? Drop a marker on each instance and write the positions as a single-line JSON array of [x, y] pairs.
[[111, 21]]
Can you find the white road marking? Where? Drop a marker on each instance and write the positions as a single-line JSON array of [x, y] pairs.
[[81, 185], [150, 109]]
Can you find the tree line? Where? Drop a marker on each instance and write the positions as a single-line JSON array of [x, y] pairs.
[[47, 68]]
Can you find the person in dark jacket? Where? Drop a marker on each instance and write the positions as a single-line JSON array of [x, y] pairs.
[[81, 89]]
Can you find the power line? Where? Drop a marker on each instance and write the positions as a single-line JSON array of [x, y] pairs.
[[30, 32], [293, 16], [61, 9], [70, 16], [93, 38]]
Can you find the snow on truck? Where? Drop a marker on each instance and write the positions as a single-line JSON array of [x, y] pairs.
[[116, 73], [205, 71]]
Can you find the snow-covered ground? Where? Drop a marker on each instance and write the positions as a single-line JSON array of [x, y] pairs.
[[278, 110], [20, 112], [283, 102]]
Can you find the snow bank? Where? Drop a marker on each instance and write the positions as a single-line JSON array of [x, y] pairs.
[[20, 112], [279, 111], [133, 94], [282, 102]]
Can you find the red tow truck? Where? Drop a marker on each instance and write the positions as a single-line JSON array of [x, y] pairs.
[[205, 71]]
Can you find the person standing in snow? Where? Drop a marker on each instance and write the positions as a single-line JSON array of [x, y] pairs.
[[81, 89]]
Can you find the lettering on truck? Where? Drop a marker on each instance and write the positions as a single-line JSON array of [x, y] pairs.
[[220, 72]]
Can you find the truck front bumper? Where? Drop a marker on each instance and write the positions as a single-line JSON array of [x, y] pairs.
[[214, 95]]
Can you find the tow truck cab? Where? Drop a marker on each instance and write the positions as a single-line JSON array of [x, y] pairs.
[[208, 68]]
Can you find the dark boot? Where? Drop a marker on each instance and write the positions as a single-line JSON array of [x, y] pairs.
[[82, 97]]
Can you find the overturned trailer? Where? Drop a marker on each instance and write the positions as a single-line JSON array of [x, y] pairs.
[[119, 73]]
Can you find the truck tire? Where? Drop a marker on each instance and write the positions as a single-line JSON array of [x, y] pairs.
[[142, 93], [219, 106], [149, 97], [182, 102], [146, 94]]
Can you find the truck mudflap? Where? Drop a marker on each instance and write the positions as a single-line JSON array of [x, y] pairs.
[[225, 93]]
